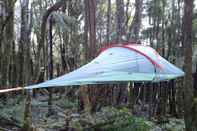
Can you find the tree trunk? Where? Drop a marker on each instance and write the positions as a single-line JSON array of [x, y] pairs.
[[86, 28], [120, 29], [92, 27], [26, 60], [90, 30], [188, 85], [108, 20], [134, 29], [6, 39], [137, 20], [50, 43]]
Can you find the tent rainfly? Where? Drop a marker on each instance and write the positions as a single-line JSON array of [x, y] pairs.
[[117, 63]]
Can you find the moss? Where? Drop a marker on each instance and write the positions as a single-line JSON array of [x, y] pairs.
[[173, 125], [12, 111], [111, 119]]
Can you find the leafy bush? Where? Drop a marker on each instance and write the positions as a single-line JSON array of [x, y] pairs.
[[126, 122]]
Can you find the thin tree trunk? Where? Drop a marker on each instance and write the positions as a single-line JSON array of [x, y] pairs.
[[50, 111], [26, 59], [86, 28], [84, 100], [92, 27], [134, 29], [138, 18], [108, 20], [120, 20]]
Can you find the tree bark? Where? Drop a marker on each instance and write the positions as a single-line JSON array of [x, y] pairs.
[[50, 111], [92, 27], [138, 18], [134, 29], [90, 47], [108, 20], [6, 39], [86, 28], [188, 85], [120, 30], [25, 60]]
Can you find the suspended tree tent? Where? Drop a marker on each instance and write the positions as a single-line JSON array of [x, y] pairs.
[[118, 63]]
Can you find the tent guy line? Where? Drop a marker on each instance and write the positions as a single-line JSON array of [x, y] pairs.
[[11, 89]]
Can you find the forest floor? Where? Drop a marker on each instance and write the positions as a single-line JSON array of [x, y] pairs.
[[66, 116]]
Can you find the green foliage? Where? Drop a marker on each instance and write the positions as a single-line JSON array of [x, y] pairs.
[[65, 23], [12, 111], [173, 125], [66, 104], [194, 25], [111, 119], [128, 123], [154, 8]]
